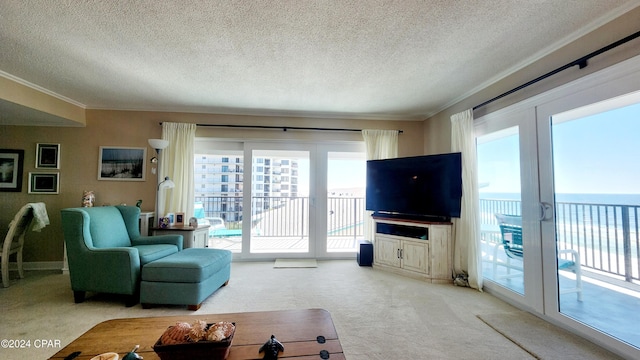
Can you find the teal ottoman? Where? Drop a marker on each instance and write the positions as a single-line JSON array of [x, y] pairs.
[[185, 278]]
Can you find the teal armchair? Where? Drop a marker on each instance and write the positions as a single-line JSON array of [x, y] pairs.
[[106, 253]]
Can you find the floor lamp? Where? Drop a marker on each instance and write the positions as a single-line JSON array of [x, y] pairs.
[[166, 183]]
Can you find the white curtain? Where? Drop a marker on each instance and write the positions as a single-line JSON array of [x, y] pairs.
[[466, 254], [177, 163], [380, 144]]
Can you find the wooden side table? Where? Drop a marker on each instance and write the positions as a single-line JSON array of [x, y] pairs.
[[146, 221], [193, 237]]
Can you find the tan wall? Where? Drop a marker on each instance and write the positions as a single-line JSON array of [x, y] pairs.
[[28, 97], [79, 158], [437, 137]]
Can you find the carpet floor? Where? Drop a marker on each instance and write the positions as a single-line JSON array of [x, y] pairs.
[[295, 263], [543, 340], [377, 315]]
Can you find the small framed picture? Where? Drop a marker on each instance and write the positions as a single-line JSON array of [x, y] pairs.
[[180, 219], [48, 156], [172, 218], [11, 163], [44, 183]]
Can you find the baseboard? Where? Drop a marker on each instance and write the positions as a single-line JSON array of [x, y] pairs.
[[37, 265]]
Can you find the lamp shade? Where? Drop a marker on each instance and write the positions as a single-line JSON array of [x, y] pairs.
[[158, 144], [166, 184]]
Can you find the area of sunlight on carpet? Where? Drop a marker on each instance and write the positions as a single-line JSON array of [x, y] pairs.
[[295, 263], [541, 339]]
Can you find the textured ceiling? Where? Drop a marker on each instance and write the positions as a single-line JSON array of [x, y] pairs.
[[353, 59]]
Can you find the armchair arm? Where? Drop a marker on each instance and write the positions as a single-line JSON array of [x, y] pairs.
[[114, 270], [176, 240]]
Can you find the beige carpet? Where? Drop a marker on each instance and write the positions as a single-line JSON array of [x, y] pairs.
[[541, 339], [295, 263], [378, 315]]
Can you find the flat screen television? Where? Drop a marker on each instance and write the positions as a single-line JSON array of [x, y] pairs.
[[425, 187]]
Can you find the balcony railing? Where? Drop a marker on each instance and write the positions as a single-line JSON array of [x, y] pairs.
[[281, 216], [606, 235]]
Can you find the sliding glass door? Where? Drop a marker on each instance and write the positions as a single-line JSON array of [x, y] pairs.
[[280, 204], [579, 203], [307, 200], [592, 229], [346, 180], [505, 146]]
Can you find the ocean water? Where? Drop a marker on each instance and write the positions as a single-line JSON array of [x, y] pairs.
[[586, 219], [605, 199]]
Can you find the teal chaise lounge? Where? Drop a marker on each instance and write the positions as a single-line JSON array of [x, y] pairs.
[[106, 252]]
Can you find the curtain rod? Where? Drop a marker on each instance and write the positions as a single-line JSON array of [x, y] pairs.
[[283, 128], [581, 62]]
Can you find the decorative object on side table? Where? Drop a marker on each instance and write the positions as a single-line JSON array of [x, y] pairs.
[[197, 340], [132, 355], [271, 348], [180, 219], [103, 356], [164, 222], [88, 198]]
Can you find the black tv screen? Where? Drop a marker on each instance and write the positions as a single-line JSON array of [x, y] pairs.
[[427, 186]]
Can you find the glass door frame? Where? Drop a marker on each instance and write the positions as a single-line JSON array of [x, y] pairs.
[[249, 148], [524, 119], [318, 169], [323, 151], [619, 80]]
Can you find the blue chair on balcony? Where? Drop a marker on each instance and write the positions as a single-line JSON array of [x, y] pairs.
[[511, 230]]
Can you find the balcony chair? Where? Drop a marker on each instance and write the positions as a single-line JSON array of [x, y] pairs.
[[106, 252], [34, 216], [511, 230]]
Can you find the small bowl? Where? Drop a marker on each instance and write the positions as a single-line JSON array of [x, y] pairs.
[[107, 356]]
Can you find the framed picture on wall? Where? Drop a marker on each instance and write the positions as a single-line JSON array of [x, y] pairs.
[[122, 163], [11, 163], [48, 156], [44, 183]]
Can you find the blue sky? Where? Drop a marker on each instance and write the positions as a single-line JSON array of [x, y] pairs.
[[599, 153], [594, 154], [342, 173]]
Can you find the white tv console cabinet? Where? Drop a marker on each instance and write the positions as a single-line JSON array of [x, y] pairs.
[[421, 250]]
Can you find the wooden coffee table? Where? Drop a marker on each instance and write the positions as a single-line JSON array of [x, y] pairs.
[[297, 330]]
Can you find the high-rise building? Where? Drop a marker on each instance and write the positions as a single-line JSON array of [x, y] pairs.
[[219, 183]]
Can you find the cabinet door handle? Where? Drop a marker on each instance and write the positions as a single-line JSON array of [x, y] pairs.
[[401, 253], [398, 253]]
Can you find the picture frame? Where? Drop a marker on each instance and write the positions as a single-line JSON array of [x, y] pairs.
[[11, 167], [172, 218], [179, 219], [119, 163], [47, 156], [44, 183]]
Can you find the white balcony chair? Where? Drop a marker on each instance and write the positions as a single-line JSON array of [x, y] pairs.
[[14, 240], [568, 259]]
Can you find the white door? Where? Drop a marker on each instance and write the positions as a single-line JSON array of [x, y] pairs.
[[507, 174], [580, 203], [279, 213], [591, 244], [306, 200]]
